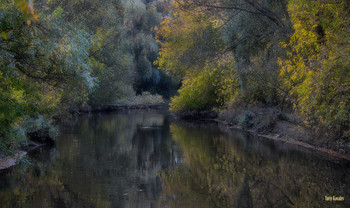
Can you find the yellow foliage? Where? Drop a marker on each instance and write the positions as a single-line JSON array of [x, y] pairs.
[[317, 68], [27, 7], [181, 38], [203, 90]]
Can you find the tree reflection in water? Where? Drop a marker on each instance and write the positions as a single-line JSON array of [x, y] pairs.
[[141, 159], [105, 160], [231, 170]]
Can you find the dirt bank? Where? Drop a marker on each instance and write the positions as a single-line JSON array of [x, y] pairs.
[[272, 124], [9, 161], [285, 138], [29, 146]]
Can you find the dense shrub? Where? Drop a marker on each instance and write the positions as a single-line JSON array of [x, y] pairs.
[[40, 129], [205, 90], [197, 93]]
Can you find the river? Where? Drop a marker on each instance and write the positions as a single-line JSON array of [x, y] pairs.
[[148, 159]]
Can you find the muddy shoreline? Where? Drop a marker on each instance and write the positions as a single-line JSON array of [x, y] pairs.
[[336, 153], [7, 162], [278, 134]]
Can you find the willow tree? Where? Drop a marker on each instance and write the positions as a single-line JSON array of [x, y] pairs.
[[109, 54], [140, 20]]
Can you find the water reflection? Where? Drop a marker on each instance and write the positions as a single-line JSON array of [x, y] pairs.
[[106, 160], [141, 159], [228, 169]]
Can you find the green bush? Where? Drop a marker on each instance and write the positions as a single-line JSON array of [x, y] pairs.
[[40, 129], [197, 93]]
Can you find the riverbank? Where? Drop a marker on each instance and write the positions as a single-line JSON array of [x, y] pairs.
[[338, 151], [9, 161], [272, 124], [27, 148], [120, 107]]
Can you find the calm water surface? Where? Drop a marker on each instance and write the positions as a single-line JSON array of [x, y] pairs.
[[143, 159]]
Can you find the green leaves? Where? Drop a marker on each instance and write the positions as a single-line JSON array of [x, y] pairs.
[[44, 66], [205, 89], [58, 11]]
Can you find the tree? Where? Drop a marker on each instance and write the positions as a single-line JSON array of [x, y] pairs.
[[316, 71], [110, 59], [141, 18], [202, 32], [44, 67]]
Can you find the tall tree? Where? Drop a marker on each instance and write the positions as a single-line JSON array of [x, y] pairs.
[[316, 71]]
